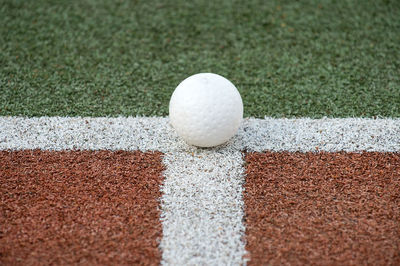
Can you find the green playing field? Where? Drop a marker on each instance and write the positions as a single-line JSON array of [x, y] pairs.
[[287, 58]]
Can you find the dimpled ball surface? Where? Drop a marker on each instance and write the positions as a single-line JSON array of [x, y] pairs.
[[206, 110]]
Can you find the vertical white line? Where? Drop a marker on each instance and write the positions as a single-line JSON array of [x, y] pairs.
[[202, 208]]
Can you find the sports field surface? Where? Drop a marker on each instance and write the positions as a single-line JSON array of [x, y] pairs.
[[92, 172], [287, 58]]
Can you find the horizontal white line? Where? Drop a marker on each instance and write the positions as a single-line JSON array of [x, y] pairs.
[[327, 134], [155, 133]]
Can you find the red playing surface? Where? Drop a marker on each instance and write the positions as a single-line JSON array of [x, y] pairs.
[[323, 208], [88, 207]]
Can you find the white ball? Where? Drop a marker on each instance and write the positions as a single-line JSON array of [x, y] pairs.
[[206, 110]]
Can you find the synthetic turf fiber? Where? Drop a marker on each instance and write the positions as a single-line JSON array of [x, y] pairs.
[[287, 58], [322, 208], [80, 207]]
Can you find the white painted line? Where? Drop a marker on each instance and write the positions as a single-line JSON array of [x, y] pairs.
[[66, 133], [140, 133], [202, 208], [332, 135]]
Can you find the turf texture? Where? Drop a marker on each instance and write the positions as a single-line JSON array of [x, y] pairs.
[[287, 58]]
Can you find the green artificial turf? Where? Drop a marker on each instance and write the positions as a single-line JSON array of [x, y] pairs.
[[114, 57]]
